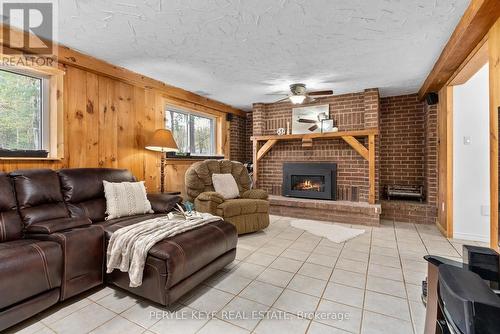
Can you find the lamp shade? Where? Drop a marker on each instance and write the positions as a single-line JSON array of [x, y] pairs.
[[162, 141]]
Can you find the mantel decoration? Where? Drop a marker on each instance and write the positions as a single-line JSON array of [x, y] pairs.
[[308, 119], [328, 125], [162, 141]]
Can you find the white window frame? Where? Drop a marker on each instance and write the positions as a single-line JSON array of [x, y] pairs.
[[44, 137], [213, 128]]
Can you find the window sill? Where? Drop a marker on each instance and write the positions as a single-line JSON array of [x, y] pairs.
[[196, 157], [30, 158]]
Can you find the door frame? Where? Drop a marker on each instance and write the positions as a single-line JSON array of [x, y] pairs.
[[494, 67], [472, 64]]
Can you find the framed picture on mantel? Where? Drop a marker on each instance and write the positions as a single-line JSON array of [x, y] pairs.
[[308, 119]]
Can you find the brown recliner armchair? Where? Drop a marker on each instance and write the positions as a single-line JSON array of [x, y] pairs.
[[249, 212]]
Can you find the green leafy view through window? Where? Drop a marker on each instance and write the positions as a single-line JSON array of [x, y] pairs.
[[20, 112], [192, 133]]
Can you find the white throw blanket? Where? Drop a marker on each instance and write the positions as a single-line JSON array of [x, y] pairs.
[[129, 246]]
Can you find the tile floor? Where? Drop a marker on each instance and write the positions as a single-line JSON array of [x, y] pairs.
[[372, 280]]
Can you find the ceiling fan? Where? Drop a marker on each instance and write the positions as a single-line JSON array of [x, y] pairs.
[[299, 94]]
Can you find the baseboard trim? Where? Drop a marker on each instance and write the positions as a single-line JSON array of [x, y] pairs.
[[442, 230], [471, 237]]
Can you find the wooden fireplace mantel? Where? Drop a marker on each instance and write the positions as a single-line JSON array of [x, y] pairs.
[[307, 141]]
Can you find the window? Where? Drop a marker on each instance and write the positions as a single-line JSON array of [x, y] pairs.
[[24, 114], [193, 133]]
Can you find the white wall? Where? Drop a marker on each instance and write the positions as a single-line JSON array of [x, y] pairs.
[[471, 159]]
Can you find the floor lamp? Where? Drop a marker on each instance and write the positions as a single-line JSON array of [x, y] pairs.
[[162, 141]]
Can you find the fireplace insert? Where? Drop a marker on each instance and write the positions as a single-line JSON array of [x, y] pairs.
[[310, 180]]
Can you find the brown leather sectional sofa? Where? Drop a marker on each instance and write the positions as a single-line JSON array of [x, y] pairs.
[[53, 236]]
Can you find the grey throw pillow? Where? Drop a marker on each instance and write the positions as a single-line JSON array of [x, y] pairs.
[[226, 185]]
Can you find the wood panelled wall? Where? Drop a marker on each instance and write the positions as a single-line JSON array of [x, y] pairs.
[[106, 124]]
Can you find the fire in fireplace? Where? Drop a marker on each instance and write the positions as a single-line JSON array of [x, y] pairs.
[[310, 180], [308, 183]]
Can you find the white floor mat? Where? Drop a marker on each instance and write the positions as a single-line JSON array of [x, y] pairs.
[[334, 233]]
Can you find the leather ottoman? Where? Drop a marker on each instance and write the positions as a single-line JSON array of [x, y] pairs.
[[178, 264]]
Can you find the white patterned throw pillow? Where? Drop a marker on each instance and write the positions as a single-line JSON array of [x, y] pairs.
[[126, 199], [225, 184]]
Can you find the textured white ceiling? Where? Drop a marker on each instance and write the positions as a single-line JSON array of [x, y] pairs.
[[240, 51]]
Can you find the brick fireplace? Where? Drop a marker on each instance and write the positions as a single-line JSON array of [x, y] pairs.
[[351, 112], [357, 111], [406, 153]]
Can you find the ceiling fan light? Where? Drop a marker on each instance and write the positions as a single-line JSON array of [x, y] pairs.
[[297, 99]]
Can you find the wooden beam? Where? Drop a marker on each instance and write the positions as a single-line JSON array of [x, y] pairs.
[[70, 57], [371, 168], [474, 62], [494, 64], [255, 146], [354, 133], [191, 106], [449, 162], [357, 146], [477, 20], [266, 148], [445, 161], [224, 137]]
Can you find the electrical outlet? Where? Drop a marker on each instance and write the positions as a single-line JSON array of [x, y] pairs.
[[485, 210]]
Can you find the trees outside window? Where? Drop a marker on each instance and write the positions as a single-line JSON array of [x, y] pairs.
[[180, 130], [193, 133], [21, 112]]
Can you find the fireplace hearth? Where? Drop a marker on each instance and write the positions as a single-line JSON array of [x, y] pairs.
[[310, 180]]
